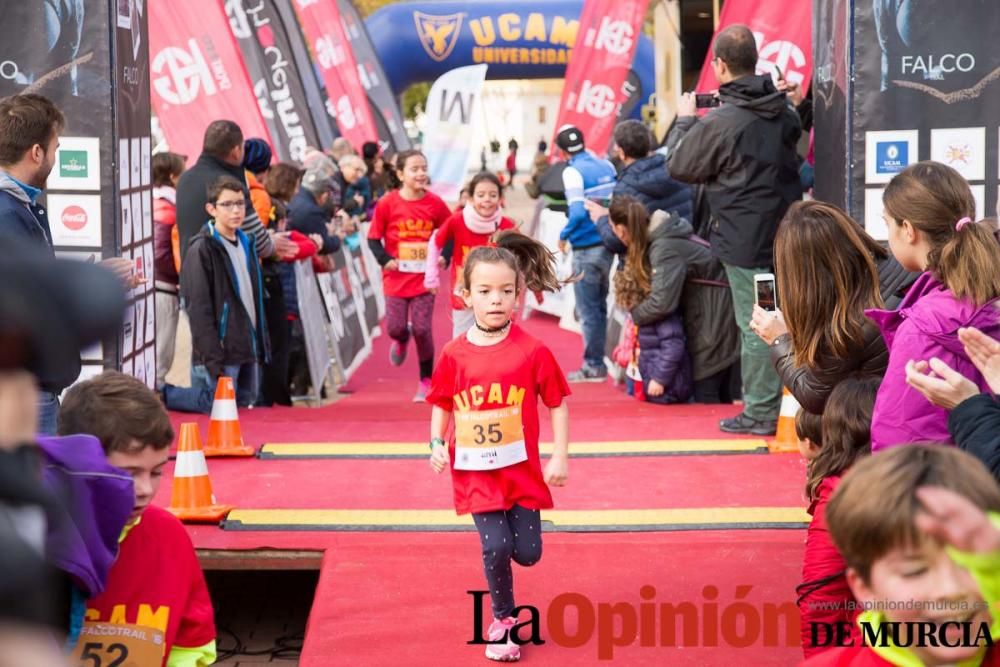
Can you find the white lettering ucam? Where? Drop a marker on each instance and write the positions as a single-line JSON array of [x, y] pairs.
[[931, 64]]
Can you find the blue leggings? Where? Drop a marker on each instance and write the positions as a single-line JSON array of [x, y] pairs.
[[515, 534]]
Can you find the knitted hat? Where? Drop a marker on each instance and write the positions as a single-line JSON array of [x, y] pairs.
[[256, 155]]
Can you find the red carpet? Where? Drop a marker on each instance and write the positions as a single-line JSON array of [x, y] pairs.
[[387, 599]]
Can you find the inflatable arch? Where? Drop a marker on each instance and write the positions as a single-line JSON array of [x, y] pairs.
[[518, 39]]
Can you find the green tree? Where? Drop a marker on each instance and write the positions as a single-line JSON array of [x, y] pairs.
[[414, 98]]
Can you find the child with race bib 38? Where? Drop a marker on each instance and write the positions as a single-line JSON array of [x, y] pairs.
[[490, 381], [468, 228], [404, 220]]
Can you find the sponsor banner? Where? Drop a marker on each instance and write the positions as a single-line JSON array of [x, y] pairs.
[[261, 36], [918, 82], [783, 32], [343, 307], [315, 331], [367, 289], [451, 108], [382, 99], [198, 74], [75, 220], [597, 82], [347, 101], [374, 272], [298, 50], [78, 165]]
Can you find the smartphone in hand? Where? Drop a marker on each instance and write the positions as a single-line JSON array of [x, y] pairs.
[[705, 100], [765, 292]]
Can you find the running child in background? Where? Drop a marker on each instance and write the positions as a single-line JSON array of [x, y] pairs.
[[823, 595], [156, 587], [404, 220], [491, 380], [469, 228]]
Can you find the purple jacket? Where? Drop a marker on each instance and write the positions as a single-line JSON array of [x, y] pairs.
[[96, 500], [663, 357], [926, 325]]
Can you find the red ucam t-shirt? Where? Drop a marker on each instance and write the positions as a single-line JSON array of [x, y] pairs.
[[515, 372], [455, 229], [156, 582], [405, 227]]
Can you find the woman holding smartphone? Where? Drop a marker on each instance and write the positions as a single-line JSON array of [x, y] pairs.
[[829, 270]]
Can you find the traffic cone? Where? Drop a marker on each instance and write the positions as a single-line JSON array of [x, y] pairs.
[[191, 498], [224, 436], [785, 439]]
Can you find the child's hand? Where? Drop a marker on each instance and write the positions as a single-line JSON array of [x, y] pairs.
[[556, 471], [655, 388], [439, 458], [956, 521], [391, 265], [939, 384]]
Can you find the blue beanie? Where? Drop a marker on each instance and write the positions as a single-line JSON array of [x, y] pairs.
[[256, 155]]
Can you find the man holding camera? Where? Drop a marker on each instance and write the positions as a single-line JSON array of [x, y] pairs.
[[745, 153]]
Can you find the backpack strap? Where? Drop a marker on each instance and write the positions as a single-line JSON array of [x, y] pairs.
[[694, 238]]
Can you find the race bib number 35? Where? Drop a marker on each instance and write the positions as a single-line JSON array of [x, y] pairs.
[[412, 257], [113, 645], [489, 439]]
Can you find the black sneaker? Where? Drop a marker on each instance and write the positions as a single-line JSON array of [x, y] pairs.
[[741, 423], [588, 374]]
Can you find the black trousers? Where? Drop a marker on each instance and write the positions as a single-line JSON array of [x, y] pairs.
[[274, 378], [515, 534]]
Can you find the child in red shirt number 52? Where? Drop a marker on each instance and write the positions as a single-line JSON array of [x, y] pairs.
[[490, 380], [403, 222]]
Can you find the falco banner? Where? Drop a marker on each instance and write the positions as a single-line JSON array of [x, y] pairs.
[[901, 82], [783, 31], [380, 94], [332, 53], [198, 74], [597, 83]]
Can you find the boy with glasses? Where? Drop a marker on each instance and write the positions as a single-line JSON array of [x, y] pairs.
[[222, 288]]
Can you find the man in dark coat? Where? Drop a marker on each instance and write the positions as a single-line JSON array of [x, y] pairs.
[[745, 153], [646, 179]]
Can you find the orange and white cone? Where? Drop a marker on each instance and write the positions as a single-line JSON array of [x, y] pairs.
[[192, 499], [224, 436], [785, 439]]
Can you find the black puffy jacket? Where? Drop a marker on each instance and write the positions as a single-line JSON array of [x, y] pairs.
[[745, 154]]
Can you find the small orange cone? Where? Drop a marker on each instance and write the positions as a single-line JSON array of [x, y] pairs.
[[224, 436], [192, 498], [785, 439]]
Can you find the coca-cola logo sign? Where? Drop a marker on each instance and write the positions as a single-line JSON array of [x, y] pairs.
[[74, 218]]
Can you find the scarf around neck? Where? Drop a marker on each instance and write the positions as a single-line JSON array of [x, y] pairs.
[[477, 224]]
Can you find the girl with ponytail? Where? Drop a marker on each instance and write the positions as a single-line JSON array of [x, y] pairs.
[[929, 210]]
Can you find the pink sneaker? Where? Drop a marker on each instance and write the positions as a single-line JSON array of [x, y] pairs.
[[507, 652], [423, 389]]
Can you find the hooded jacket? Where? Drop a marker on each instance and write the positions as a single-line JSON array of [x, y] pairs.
[[647, 181], [22, 217], [745, 153], [96, 501], [164, 226], [974, 424], [308, 217], [811, 385], [926, 325], [222, 332], [675, 261], [663, 357]]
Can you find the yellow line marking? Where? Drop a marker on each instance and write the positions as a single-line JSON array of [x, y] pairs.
[[390, 449], [262, 519]]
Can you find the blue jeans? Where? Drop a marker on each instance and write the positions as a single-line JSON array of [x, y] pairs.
[[591, 294], [201, 394], [48, 412], [246, 379]]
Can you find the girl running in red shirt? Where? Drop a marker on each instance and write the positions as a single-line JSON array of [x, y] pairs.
[[403, 223], [491, 380], [470, 227]]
